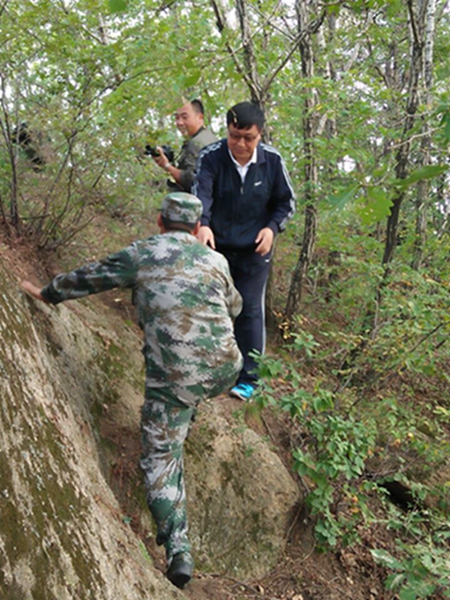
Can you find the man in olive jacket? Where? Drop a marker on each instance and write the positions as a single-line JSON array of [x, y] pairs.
[[190, 122]]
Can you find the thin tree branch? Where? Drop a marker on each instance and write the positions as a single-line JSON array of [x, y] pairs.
[[311, 28], [414, 137], [413, 22], [3, 7], [268, 21], [222, 25]]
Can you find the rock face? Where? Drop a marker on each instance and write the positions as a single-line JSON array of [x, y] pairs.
[[62, 533], [240, 496]]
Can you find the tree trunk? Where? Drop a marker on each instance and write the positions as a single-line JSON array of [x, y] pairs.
[[249, 54], [310, 170], [7, 134], [417, 28], [417, 22], [423, 187]]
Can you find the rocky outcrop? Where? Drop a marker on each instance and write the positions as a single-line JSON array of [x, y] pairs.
[[63, 534], [240, 496]]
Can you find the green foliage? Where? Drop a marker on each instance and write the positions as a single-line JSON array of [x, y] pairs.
[[102, 76], [375, 201], [413, 325], [422, 569], [339, 430], [446, 124], [117, 5], [86, 82], [336, 446], [340, 199], [428, 172]]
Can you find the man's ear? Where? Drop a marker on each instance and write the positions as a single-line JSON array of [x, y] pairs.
[[159, 221]]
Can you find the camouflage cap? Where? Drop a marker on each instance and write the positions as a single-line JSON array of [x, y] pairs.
[[181, 207]]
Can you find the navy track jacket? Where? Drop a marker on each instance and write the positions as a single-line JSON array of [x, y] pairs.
[[237, 211]]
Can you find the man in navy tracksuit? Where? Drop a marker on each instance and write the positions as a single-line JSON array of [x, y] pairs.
[[247, 199]]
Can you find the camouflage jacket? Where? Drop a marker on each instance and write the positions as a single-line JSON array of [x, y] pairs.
[[188, 158], [186, 302]]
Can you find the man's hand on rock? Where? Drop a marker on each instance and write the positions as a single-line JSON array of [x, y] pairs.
[[32, 290]]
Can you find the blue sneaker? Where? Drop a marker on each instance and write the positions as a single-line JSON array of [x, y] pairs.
[[243, 391]]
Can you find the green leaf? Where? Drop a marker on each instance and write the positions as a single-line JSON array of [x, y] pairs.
[[408, 594], [116, 6], [386, 559], [342, 198], [378, 206], [393, 581], [446, 120], [424, 173], [442, 71], [192, 78], [322, 402]]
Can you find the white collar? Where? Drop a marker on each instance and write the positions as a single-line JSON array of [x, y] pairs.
[[250, 162]]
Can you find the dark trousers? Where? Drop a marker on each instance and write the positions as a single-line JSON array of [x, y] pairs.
[[250, 272]]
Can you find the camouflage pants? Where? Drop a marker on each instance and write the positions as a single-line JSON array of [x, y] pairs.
[[164, 428]]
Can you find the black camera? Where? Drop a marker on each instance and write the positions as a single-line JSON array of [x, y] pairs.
[[152, 151]]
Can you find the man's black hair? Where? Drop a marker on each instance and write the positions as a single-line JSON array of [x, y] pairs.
[[244, 115], [177, 226], [198, 106]]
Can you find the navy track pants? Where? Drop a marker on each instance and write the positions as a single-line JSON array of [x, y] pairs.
[[250, 272]]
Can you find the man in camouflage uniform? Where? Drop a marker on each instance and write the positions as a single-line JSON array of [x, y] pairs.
[[186, 302]]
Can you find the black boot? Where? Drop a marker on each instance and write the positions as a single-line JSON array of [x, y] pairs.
[[180, 570]]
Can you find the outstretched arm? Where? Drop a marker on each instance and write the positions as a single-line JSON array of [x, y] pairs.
[[116, 270]]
